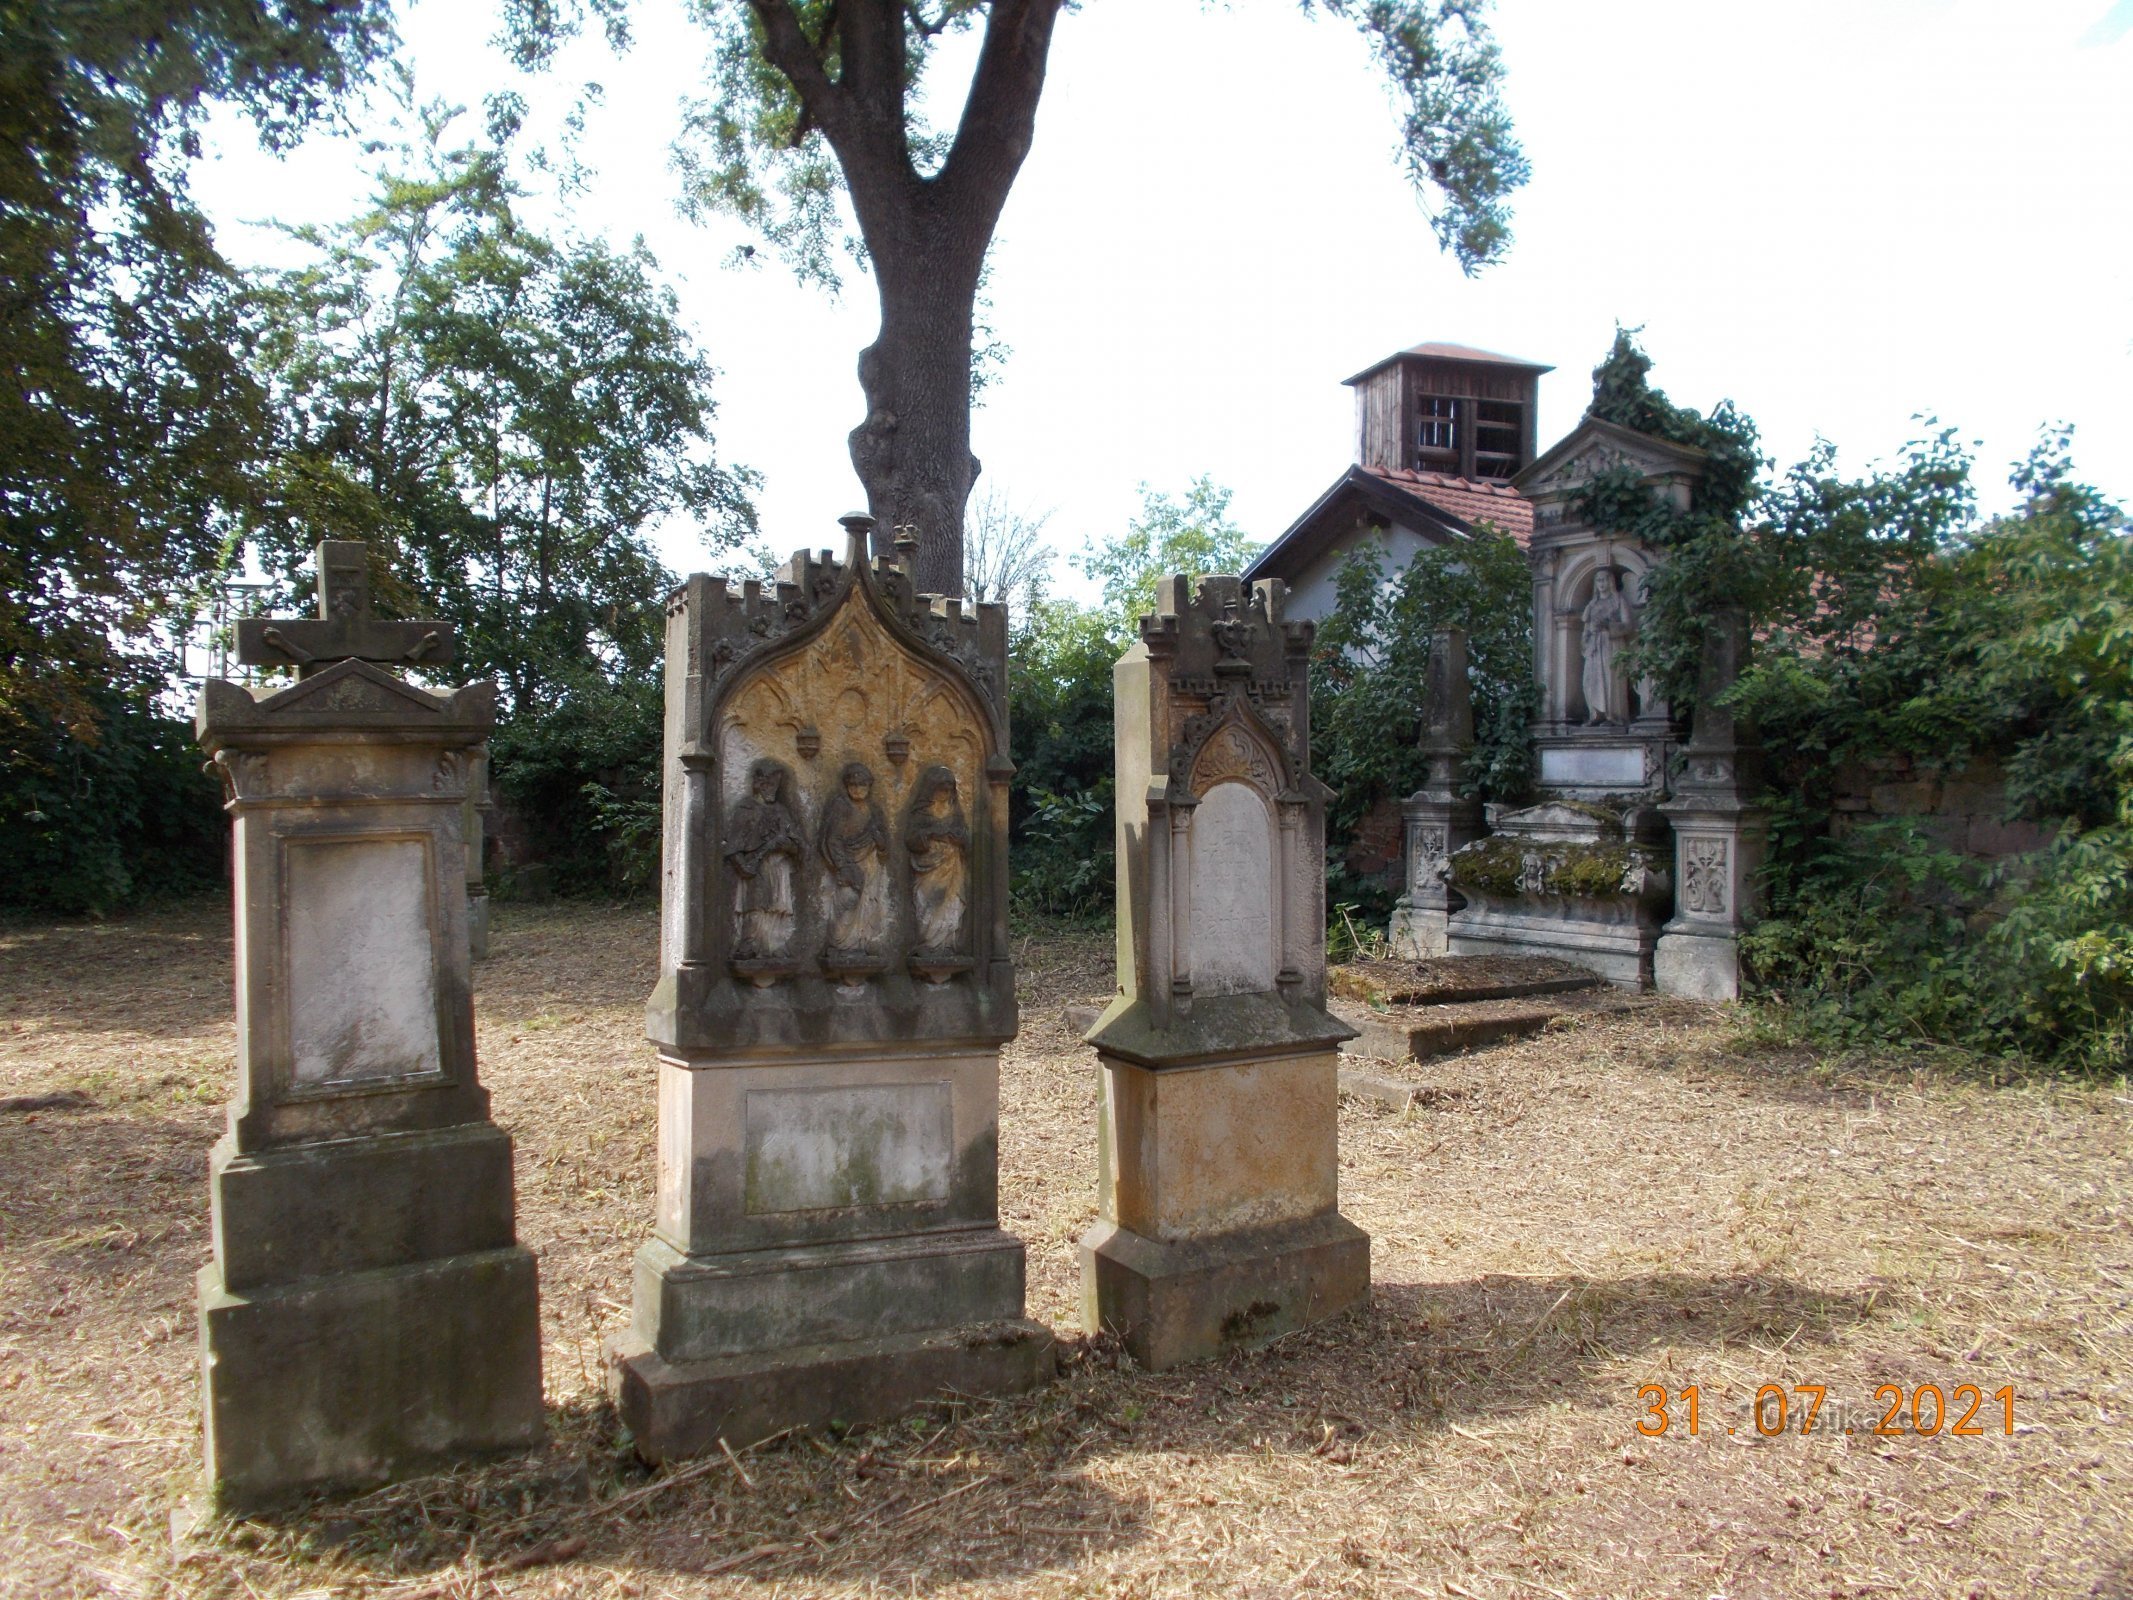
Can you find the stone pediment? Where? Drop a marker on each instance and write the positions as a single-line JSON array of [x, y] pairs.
[[350, 694], [1565, 820], [353, 686], [1594, 447]]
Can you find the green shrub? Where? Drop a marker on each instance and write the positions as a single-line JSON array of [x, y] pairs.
[[97, 818]]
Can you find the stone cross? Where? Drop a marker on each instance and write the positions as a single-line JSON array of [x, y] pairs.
[[345, 627]]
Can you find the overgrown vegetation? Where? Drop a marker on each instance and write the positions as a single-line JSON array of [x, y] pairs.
[[1892, 623], [1370, 673], [1060, 693]]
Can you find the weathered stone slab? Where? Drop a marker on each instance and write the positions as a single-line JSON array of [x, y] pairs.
[[1218, 1160], [835, 983], [355, 1378], [1454, 1028], [1182, 1300], [368, 1310], [678, 1409]]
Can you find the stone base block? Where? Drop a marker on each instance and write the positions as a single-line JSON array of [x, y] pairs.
[[1697, 966], [1618, 950], [351, 1380], [1186, 1300], [1416, 933], [684, 1408], [705, 1308]]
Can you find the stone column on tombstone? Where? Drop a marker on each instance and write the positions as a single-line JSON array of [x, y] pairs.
[[368, 1308], [1719, 831], [1440, 818], [477, 889], [835, 985], [1219, 1223]]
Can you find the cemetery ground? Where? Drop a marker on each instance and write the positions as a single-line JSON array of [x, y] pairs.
[[1662, 1196]]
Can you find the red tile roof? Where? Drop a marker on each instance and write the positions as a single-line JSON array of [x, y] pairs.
[[1471, 500]]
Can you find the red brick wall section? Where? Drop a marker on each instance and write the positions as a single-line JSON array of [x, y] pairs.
[[1965, 810], [1373, 849]]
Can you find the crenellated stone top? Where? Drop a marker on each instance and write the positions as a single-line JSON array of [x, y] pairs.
[[733, 624], [836, 812], [1225, 651]]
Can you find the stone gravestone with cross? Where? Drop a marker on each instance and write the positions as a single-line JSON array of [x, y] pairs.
[[368, 1307], [1218, 1162], [835, 985]]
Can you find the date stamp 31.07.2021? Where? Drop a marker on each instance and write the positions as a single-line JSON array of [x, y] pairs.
[[1918, 1411]]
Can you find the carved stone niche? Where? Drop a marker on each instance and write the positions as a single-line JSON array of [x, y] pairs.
[[835, 984], [1219, 1224], [1601, 734], [368, 1308]]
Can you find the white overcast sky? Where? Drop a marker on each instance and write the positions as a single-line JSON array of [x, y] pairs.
[[1838, 213]]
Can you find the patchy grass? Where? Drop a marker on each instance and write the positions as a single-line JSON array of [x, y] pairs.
[[1657, 1197]]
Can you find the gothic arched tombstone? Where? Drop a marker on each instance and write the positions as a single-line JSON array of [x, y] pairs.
[[1219, 1223], [834, 988]]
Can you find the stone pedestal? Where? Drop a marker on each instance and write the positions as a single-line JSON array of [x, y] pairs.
[[1719, 833], [477, 888], [1218, 1196], [1568, 880], [1440, 819], [835, 985], [368, 1309]]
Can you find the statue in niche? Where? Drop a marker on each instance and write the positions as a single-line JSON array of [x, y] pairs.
[[763, 846], [939, 842], [1610, 623], [855, 844]]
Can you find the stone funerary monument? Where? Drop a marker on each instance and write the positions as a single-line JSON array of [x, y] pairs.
[[368, 1307], [1218, 1162], [834, 990]]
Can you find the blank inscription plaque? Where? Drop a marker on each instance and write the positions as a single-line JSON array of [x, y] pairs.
[[361, 976]]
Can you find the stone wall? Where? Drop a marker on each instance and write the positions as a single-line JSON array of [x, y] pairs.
[[1965, 809], [1372, 847]]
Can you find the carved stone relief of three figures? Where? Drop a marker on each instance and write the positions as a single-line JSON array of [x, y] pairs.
[[764, 847]]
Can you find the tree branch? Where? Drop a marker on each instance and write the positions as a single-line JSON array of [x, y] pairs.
[[1000, 116], [787, 47]]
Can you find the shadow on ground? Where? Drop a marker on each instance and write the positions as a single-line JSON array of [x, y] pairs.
[[988, 1490]]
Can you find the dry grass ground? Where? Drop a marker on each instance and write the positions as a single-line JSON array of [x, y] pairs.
[[1632, 1199]]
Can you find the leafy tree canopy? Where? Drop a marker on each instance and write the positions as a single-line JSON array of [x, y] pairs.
[[1190, 533], [504, 416], [130, 426], [812, 101]]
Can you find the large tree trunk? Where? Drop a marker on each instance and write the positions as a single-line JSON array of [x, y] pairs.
[[926, 238], [913, 450]]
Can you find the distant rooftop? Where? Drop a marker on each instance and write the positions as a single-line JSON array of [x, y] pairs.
[[1450, 352]]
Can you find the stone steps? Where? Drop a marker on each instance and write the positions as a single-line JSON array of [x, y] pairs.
[[1459, 1003]]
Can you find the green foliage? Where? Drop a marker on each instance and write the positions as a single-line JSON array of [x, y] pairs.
[[1710, 558], [502, 415], [94, 825], [1190, 533], [756, 147], [1059, 692], [582, 769], [1912, 633], [129, 426], [1371, 670]]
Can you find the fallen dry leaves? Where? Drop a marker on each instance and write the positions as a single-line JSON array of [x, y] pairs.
[[1644, 1198]]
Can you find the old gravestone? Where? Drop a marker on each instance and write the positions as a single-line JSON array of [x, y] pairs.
[[835, 986], [368, 1307], [1218, 1157]]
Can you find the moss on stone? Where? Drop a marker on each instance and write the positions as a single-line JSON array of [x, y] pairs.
[[1497, 866]]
